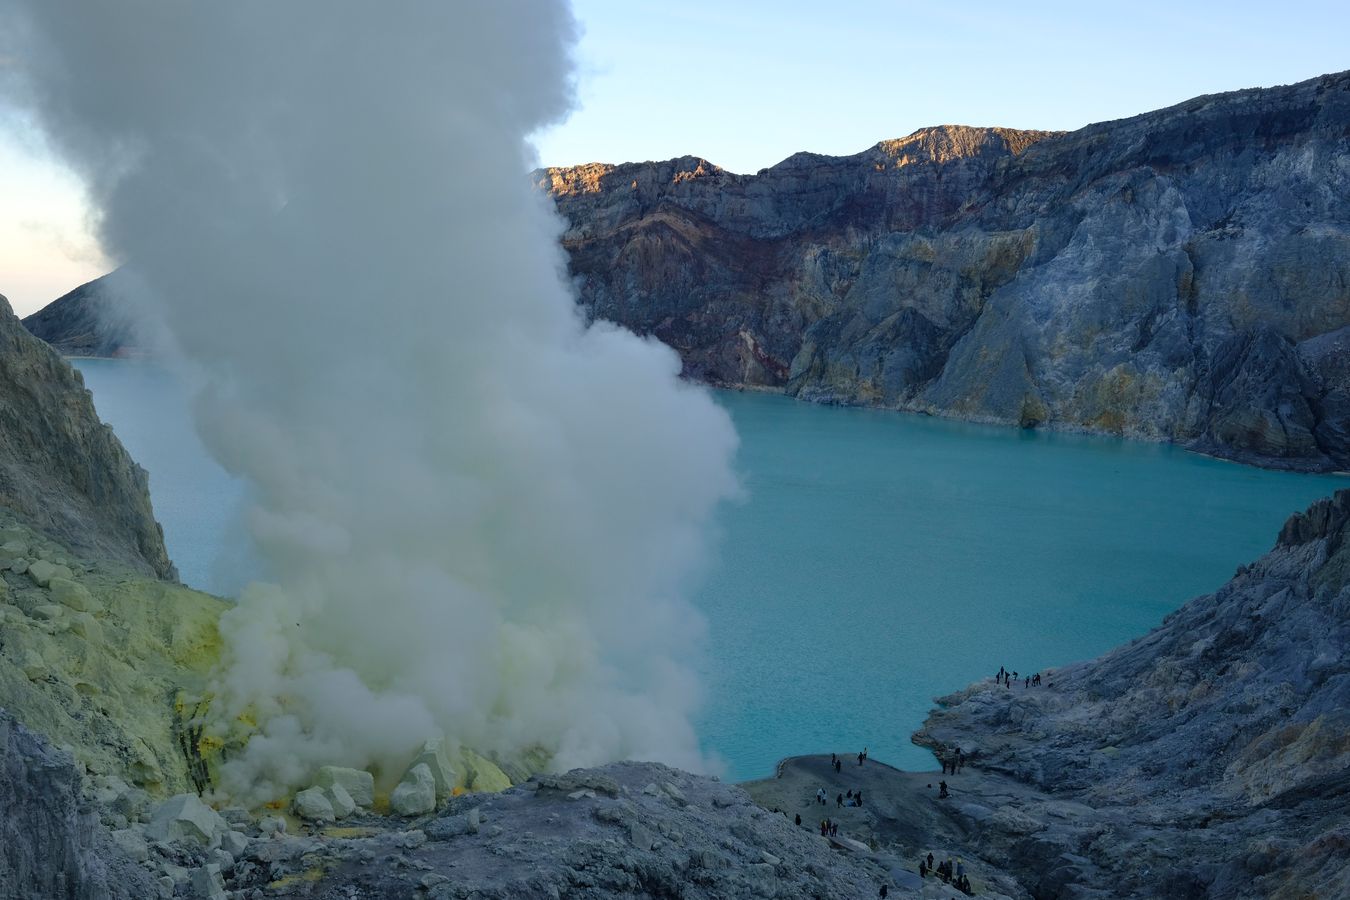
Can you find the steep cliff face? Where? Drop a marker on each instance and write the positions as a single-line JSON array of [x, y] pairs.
[[1209, 758], [1181, 275], [62, 469], [51, 842]]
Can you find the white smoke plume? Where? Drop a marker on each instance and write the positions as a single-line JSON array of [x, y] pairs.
[[481, 515]]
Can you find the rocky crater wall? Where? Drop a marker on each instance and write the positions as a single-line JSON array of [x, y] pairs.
[[1182, 275]]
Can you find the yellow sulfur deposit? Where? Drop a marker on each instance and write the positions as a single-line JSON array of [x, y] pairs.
[[100, 661], [115, 667]]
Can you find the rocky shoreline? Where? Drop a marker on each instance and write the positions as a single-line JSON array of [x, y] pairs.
[[1209, 758]]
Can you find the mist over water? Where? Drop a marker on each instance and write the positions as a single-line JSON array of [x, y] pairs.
[[481, 516], [879, 560]]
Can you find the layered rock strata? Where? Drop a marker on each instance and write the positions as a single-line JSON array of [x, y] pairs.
[[1181, 275]]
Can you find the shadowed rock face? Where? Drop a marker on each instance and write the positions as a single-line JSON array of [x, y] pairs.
[[1182, 275], [62, 469], [1209, 758], [51, 843]]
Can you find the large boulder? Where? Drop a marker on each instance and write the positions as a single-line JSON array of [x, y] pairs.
[[416, 794], [73, 594], [42, 572], [435, 755], [343, 805], [184, 817], [358, 784], [313, 804]]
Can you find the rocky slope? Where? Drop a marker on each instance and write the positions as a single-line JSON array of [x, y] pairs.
[[1181, 275], [88, 321], [62, 469], [1210, 758]]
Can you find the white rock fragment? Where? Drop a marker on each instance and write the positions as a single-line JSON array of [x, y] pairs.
[[185, 817], [87, 627], [270, 825], [342, 802], [313, 804], [674, 792], [221, 857], [73, 594], [416, 793], [435, 755], [42, 572], [207, 883], [358, 784], [131, 842], [234, 843]]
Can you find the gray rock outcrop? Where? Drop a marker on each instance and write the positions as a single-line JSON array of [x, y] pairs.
[[63, 470], [1181, 275], [1209, 758], [592, 833], [51, 843]]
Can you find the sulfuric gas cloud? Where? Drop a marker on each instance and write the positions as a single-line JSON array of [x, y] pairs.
[[482, 516]]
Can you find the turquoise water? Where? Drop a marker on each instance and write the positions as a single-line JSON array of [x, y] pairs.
[[878, 561]]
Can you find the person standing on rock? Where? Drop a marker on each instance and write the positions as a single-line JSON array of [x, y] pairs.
[[839, 800], [799, 820], [883, 891], [930, 862], [860, 759], [820, 796], [838, 766], [942, 790]]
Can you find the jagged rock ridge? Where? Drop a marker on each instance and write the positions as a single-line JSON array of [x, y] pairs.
[[1181, 275], [61, 468]]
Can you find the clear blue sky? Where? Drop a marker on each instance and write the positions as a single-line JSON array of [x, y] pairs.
[[746, 84]]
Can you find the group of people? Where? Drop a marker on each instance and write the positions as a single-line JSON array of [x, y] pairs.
[[1006, 678], [829, 828], [955, 876]]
